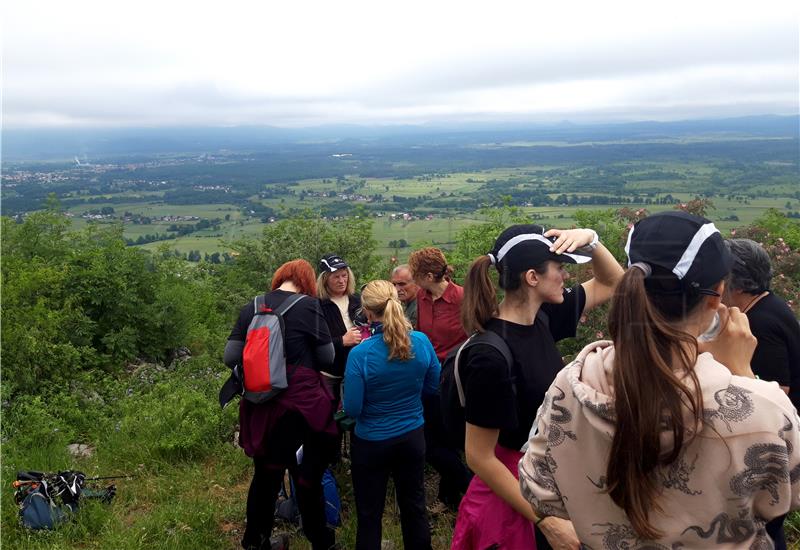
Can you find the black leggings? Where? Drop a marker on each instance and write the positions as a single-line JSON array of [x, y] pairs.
[[403, 458], [290, 432]]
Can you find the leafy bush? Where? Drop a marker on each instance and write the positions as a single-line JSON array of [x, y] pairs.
[[309, 237], [76, 302]]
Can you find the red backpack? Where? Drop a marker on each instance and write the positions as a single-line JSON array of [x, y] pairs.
[[264, 356]]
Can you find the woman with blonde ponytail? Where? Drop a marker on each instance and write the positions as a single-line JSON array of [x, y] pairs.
[[664, 438], [384, 380]]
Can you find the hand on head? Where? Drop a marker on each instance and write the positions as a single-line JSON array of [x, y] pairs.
[[569, 240]]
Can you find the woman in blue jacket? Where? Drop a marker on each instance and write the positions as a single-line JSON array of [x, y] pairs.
[[384, 380]]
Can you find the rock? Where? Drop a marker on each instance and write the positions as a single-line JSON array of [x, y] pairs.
[[236, 438], [80, 450]]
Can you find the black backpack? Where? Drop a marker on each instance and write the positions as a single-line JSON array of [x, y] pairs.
[[451, 389]]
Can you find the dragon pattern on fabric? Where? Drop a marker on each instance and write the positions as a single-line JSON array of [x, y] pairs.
[[767, 468], [559, 418], [732, 530], [677, 475], [619, 536], [735, 405]]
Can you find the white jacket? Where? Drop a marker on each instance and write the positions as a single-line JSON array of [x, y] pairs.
[[741, 470]]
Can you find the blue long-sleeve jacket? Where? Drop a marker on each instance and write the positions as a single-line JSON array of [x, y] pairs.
[[385, 397]]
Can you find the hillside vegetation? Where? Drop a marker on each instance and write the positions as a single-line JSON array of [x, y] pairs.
[[120, 349]]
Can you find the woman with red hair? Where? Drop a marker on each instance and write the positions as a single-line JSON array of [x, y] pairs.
[[301, 415]]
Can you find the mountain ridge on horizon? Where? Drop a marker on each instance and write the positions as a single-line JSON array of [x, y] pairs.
[[25, 144]]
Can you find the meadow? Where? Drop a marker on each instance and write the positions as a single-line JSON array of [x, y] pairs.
[[443, 203]]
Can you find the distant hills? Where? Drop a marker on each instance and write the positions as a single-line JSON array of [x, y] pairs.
[[66, 143]]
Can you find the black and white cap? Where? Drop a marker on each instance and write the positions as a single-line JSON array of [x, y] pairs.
[[688, 246], [331, 263], [522, 247]]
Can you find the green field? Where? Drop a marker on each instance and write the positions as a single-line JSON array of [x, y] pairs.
[[735, 205]]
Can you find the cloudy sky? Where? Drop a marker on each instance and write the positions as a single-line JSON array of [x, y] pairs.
[[300, 63]]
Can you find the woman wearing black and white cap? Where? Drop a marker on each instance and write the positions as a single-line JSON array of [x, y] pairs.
[[663, 438], [341, 306], [536, 311]]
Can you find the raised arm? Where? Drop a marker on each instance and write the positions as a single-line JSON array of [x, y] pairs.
[[607, 271]]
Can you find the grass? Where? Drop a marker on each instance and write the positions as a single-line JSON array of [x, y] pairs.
[[187, 499], [186, 504]]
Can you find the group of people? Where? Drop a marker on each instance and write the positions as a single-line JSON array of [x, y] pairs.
[[662, 437]]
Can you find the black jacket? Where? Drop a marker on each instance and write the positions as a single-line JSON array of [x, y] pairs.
[[337, 329]]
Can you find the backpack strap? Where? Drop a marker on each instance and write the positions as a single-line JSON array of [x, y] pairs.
[[260, 303], [488, 338]]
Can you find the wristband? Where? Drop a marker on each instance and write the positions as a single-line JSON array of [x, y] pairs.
[[540, 520]]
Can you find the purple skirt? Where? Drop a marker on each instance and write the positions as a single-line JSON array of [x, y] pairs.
[[307, 395]]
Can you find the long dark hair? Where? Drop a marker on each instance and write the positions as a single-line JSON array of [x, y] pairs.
[[650, 396]]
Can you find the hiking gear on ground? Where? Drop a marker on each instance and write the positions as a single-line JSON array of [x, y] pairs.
[[286, 508], [451, 389], [46, 500], [333, 504]]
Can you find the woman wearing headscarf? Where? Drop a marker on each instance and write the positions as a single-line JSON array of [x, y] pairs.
[[301, 415], [664, 438], [384, 381], [537, 310]]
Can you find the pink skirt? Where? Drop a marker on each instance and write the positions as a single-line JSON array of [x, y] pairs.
[[486, 521]]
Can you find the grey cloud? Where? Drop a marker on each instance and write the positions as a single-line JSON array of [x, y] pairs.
[[623, 58]]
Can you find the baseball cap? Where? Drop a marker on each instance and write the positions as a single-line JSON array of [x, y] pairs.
[[331, 263], [524, 246], [688, 246]]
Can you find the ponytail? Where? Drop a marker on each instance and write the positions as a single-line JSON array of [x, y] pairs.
[[480, 298], [395, 330], [380, 297], [649, 395]]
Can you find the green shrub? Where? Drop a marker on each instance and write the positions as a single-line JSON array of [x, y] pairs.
[[171, 422]]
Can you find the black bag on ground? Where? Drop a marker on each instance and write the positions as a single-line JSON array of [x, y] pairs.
[[451, 389], [46, 500]]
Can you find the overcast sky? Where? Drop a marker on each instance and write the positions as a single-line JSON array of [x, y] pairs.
[[299, 63]]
